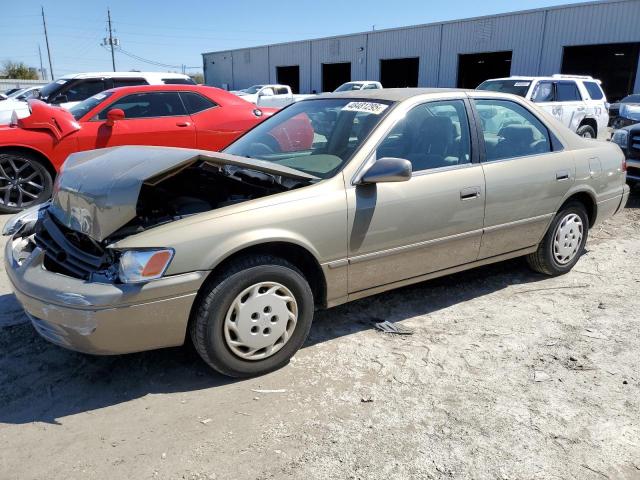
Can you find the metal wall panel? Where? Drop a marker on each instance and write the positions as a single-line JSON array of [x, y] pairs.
[[298, 53], [350, 48], [536, 38], [218, 69], [422, 42], [520, 33], [250, 66], [611, 22]]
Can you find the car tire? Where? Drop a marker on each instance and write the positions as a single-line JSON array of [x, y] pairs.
[[564, 242], [222, 324], [24, 181], [586, 131]]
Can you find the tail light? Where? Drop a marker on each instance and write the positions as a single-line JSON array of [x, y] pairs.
[[624, 165]]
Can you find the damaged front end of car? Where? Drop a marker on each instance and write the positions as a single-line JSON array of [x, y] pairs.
[[104, 196]]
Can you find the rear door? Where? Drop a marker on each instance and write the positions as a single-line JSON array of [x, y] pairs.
[[527, 175], [151, 118], [573, 106]]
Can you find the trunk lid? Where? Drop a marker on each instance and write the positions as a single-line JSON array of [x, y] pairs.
[[97, 191]]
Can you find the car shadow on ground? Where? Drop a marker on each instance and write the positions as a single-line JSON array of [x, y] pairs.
[[40, 382]]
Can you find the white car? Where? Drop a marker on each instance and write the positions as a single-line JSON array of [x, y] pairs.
[[359, 85], [70, 90], [576, 101], [275, 95]]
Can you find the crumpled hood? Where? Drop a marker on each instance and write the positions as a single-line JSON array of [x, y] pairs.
[[97, 191]]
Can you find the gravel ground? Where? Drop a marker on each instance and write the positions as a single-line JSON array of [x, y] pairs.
[[508, 374]]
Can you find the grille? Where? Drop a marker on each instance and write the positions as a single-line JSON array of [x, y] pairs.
[[634, 144], [66, 251]]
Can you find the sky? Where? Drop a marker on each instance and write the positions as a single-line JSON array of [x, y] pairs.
[[177, 33]]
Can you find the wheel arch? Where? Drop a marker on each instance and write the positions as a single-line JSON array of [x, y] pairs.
[[46, 162], [592, 122], [293, 252], [588, 200]]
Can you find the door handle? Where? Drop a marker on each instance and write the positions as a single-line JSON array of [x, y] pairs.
[[562, 175], [183, 124], [469, 193]]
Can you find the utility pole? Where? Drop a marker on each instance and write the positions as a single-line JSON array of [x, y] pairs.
[[41, 68], [113, 57], [46, 37]]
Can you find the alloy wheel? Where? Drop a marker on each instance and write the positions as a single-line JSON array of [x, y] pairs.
[[21, 182]]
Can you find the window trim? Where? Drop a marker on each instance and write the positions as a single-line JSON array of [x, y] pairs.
[[554, 141], [95, 118]]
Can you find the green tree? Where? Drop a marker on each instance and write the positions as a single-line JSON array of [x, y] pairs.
[[197, 77], [18, 70]]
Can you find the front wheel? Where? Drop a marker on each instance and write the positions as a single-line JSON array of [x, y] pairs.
[[563, 243], [24, 181], [254, 318]]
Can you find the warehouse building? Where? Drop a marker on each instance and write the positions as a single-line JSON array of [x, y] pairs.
[[601, 39]]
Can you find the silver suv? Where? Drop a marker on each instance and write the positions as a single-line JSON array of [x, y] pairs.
[[578, 102]]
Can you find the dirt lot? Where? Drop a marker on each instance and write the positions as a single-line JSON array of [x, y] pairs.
[[508, 375]]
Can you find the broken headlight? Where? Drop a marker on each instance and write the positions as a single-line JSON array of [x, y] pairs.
[[621, 137], [26, 217], [137, 266]]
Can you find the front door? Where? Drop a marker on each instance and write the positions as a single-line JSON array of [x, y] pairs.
[[152, 118], [527, 176], [429, 223]]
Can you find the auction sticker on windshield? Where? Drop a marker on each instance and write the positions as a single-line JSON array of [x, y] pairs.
[[366, 107]]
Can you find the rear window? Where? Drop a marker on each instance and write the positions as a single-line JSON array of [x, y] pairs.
[[567, 92], [195, 102], [516, 87], [178, 81], [595, 92]]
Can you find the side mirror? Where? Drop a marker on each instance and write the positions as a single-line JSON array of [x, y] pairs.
[[387, 169], [60, 99], [114, 115]]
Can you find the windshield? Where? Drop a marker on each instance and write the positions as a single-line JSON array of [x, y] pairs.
[[80, 110], [516, 87], [348, 87], [50, 89], [631, 99], [313, 136], [253, 89]]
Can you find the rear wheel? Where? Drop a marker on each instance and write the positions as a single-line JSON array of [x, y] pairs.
[[563, 243], [586, 131], [24, 181], [254, 319]]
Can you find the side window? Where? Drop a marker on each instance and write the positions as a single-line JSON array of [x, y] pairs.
[[595, 92], [543, 92], [195, 102], [510, 130], [145, 105], [84, 89], [178, 81], [267, 91], [128, 82], [432, 135], [281, 91], [370, 86], [567, 92]]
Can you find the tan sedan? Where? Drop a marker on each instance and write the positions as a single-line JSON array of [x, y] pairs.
[[332, 199]]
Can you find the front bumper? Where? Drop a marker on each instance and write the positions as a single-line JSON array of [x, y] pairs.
[[101, 318]]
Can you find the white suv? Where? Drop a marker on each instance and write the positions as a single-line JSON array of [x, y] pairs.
[[70, 90], [577, 101]]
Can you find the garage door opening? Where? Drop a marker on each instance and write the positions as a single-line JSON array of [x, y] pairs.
[[399, 72], [615, 64], [289, 75], [475, 68], [334, 75]]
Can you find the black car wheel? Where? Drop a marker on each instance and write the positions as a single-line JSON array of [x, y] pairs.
[[24, 181]]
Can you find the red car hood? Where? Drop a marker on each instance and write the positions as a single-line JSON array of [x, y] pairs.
[[56, 120]]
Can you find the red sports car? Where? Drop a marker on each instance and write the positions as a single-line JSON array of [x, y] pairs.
[[33, 149]]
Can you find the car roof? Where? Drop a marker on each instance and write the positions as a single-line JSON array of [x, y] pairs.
[[552, 77], [155, 75], [389, 94], [213, 92]]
